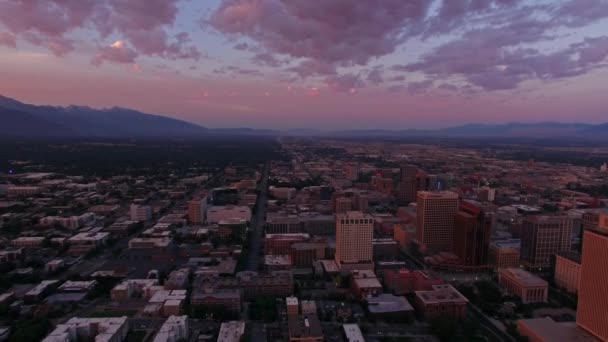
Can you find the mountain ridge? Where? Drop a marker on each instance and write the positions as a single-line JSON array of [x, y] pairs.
[[22, 119]]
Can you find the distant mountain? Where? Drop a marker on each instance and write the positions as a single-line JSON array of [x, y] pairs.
[[21, 119]]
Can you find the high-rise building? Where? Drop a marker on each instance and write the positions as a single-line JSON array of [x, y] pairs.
[[343, 204], [592, 297], [435, 220], [472, 229], [542, 237], [354, 235], [196, 210], [412, 180]]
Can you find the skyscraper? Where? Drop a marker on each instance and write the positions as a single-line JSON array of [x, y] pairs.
[[196, 210], [544, 236], [354, 235], [411, 181], [472, 229], [435, 220], [592, 295]]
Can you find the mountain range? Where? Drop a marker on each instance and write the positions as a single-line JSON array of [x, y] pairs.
[[18, 119]]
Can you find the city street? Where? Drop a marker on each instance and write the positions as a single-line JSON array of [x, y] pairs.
[[257, 225]]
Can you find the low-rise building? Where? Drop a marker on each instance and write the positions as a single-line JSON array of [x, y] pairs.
[[28, 241], [308, 307], [523, 284], [352, 333], [231, 331], [175, 328], [78, 286], [229, 299], [216, 214], [54, 265], [113, 329], [547, 330], [83, 243], [140, 212], [390, 308], [140, 242], [365, 283], [404, 281], [442, 300], [178, 279], [134, 288], [293, 308], [41, 290], [277, 262], [304, 328]]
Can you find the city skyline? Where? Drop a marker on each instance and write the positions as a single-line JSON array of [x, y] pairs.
[[338, 64]]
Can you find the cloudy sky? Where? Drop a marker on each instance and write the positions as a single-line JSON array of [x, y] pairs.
[[313, 64]]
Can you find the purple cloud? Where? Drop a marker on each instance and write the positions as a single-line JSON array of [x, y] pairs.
[[343, 83], [8, 39], [336, 33], [118, 53], [143, 24]]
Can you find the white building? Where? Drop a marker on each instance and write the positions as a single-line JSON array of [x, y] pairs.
[[90, 239], [72, 222], [231, 331], [353, 333], [216, 214], [140, 212], [174, 329], [103, 329]]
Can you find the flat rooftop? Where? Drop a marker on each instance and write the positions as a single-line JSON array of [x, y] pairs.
[[523, 277], [547, 330], [441, 294], [388, 303]]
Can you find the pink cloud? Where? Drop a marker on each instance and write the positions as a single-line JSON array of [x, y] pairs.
[[8, 39], [143, 23], [338, 33], [118, 53], [343, 83]]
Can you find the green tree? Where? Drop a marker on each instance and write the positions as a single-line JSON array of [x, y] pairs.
[[444, 327], [31, 330]]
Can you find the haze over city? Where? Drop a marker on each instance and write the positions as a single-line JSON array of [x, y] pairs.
[[305, 64], [303, 170]]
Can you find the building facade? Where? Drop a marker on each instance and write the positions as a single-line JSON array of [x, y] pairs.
[[435, 220], [354, 235], [568, 271], [521, 283], [592, 298], [542, 237]]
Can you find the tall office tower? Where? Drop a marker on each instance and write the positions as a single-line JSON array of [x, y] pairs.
[[196, 210], [412, 180], [352, 171], [592, 295], [407, 184], [435, 220], [542, 237], [472, 230], [354, 235], [343, 205]]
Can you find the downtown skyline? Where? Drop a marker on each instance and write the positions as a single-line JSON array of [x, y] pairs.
[[335, 64]]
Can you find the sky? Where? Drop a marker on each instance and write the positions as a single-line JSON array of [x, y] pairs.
[[331, 64]]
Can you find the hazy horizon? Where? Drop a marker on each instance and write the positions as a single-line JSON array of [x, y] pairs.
[[387, 64]]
